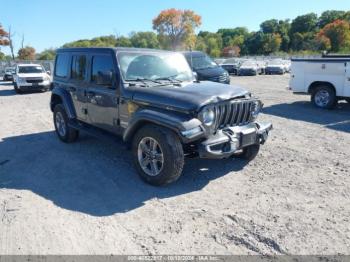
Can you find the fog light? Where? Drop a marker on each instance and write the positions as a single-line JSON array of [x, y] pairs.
[[191, 132]]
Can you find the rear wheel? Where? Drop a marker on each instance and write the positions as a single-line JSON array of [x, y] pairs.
[[158, 155], [63, 130], [324, 97]]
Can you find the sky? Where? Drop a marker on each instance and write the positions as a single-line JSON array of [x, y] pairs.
[[45, 23]]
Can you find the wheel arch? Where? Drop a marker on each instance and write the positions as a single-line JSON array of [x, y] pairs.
[[316, 84], [172, 121], [61, 96]]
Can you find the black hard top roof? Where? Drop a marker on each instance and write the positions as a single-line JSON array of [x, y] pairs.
[[104, 49]]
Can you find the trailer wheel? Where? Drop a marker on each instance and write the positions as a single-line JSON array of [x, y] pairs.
[[324, 97]]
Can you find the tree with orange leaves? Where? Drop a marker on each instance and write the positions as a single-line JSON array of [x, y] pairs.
[[3, 36], [176, 28], [337, 35]]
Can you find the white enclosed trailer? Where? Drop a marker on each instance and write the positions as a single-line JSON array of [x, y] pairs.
[[326, 79]]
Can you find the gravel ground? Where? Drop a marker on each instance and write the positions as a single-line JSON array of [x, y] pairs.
[[85, 198]]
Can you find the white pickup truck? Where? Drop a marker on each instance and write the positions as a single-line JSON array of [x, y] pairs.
[[326, 79]]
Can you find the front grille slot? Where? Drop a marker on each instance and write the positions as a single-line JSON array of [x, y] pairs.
[[34, 80], [233, 113]]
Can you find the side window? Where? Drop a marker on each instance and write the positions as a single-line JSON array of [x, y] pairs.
[[78, 68], [61, 66], [102, 70]]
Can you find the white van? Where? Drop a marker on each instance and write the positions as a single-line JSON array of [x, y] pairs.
[[326, 79]]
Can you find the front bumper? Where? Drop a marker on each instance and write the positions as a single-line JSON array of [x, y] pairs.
[[45, 85], [232, 139], [247, 72]]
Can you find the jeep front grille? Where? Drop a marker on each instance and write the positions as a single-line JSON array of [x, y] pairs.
[[233, 113]]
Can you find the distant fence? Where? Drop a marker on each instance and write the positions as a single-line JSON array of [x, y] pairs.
[[47, 64]]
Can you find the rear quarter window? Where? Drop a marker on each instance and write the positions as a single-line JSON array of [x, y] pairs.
[[62, 64]]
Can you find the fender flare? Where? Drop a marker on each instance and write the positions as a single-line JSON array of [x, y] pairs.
[[174, 121], [66, 99]]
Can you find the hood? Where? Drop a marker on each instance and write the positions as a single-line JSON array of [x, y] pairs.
[[209, 72], [31, 75], [189, 97]]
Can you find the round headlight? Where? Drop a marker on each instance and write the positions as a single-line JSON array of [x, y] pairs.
[[208, 117], [256, 108]]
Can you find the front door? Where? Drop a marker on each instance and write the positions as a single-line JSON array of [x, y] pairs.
[[102, 97], [347, 80]]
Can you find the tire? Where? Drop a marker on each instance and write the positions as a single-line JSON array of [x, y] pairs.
[[347, 100], [249, 152], [17, 90], [63, 131], [169, 150], [324, 97]]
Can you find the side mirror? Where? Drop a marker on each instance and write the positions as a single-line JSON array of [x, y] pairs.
[[104, 78], [48, 72]]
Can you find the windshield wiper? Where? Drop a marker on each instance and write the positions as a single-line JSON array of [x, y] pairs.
[[142, 80], [170, 78]]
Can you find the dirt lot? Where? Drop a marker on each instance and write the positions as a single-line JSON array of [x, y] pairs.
[[85, 198]]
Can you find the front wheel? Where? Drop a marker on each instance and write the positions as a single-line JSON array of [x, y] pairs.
[[158, 155], [64, 132], [324, 97]]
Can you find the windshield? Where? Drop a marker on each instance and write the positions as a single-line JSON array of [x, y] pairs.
[[154, 66], [30, 69], [9, 70], [275, 62], [201, 62], [249, 63]]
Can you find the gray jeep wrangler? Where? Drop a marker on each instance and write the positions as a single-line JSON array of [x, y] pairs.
[[152, 100]]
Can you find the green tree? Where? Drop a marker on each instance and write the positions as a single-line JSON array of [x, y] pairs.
[[123, 41], [2, 56], [271, 43], [144, 40], [26, 53], [48, 54], [330, 16], [269, 26], [304, 23], [228, 34]]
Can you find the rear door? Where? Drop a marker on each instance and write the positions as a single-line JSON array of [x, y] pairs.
[[102, 98], [77, 86], [347, 80]]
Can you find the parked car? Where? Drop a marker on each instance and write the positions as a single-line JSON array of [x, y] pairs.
[[205, 68], [31, 77], [231, 66], [8, 75], [250, 68], [326, 79], [151, 99], [275, 67]]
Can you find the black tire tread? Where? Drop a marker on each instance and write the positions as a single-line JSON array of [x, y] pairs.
[[72, 134], [334, 101], [172, 143]]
